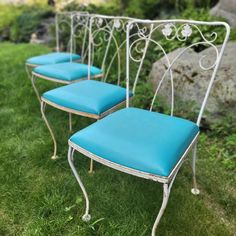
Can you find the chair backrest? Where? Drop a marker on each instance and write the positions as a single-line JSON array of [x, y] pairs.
[[143, 35], [80, 34], [63, 23], [68, 25], [107, 41]]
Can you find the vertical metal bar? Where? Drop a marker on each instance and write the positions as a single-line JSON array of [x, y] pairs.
[[70, 122], [90, 45], [84, 38], [71, 35], [195, 189], [91, 171], [127, 63], [91, 167], [57, 33]]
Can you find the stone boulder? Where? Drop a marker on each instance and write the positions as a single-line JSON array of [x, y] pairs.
[[227, 10], [43, 34], [190, 81]]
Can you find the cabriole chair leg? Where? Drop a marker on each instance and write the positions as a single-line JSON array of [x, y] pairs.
[[70, 122], [34, 87], [43, 106], [86, 217], [166, 193], [32, 80], [194, 190], [28, 71]]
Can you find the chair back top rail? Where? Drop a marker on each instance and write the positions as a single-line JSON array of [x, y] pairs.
[[143, 33]]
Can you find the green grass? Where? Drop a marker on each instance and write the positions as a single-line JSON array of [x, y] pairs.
[[39, 196]]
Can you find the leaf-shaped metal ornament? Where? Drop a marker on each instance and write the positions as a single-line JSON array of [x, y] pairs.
[[100, 21], [117, 24], [167, 30], [187, 31]]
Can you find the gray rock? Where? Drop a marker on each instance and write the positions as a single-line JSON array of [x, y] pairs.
[[190, 81], [227, 10], [42, 34]]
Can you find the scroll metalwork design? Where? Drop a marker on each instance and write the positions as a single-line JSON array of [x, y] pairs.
[[107, 36], [173, 30], [80, 32], [63, 20], [69, 27]]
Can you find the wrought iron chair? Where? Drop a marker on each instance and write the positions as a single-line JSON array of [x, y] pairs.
[[93, 98], [63, 21], [142, 142], [62, 67]]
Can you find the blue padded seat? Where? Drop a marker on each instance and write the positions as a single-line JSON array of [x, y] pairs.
[[90, 96], [68, 71], [52, 58], [139, 139]]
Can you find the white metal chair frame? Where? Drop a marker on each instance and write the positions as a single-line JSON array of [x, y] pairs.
[[61, 18], [78, 24], [98, 24], [171, 31]]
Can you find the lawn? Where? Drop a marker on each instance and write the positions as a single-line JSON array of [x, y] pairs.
[[39, 196]]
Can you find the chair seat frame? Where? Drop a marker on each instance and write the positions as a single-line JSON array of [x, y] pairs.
[[131, 171]]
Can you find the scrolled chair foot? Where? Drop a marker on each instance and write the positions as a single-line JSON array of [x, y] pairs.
[[86, 217], [91, 172], [195, 191], [54, 157]]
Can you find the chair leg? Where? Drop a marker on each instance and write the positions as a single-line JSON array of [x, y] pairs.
[[91, 171], [166, 193], [194, 190], [70, 122], [28, 71], [43, 106], [86, 217], [34, 87]]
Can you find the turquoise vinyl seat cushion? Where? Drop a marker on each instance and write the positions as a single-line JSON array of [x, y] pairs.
[[52, 58], [139, 139], [68, 71], [90, 96]]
